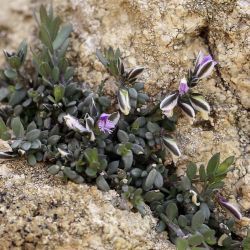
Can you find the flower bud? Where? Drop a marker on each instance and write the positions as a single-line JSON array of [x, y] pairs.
[[183, 87], [229, 207], [124, 102], [204, 65]]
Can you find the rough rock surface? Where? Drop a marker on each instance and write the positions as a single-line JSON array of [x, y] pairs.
[[39, 212], [164, 36]]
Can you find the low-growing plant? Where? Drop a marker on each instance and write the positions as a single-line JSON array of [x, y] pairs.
[[48, 116]]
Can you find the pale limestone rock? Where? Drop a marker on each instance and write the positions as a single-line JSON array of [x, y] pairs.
[[40, 212]]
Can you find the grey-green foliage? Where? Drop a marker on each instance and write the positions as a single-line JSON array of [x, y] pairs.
[[191, 209], [50, 117]]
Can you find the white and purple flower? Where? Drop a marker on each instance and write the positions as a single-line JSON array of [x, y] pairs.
[[187, 100], [204, 65], [177, 98], [107, 122]]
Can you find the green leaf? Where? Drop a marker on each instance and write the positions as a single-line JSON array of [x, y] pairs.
[[153, 127], [33, 135], [102, 183], [216, 185], [36, 144], [59, 92], [205, 210], [26, 146], [195, 240], [153, 195], [246, 241], [17, 97], [197, 220], [53, 140], [22, 50], [31, 159], [70, 173], [54, 169], [159, 180], [62, 36], [172, 211], [31, 126], [122, 136], [43, 15], [10, 73], [213, 164], [91, 172], [223, 167], [4, 92], [15, 62], [185, 183], [182, 244], [17, 127], [4, 135], [148, 184], [55, 74], [55, 25], [69, 73], [45, 37], [45, 70], [191, 170], [137, 149], [202, 173], [101, 58], [182, 221], [91, 154], [104, 101], [127, 160]]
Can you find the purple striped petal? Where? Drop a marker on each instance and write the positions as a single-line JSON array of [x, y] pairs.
[[229, 207]]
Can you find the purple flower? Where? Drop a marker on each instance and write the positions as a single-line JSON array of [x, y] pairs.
[[171, 101], [229, 207], [183, 87], [107, 122], [204, 65]]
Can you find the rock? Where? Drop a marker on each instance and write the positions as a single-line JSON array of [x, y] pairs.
[[38, 211]]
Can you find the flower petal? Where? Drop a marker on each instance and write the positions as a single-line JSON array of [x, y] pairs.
[[205, 69], [169, 102], [134, 72], [230, 207], [199, 59], [199, 103], [171, 146], [93, 109], [187, 109], [120, 66], [183, 87]]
